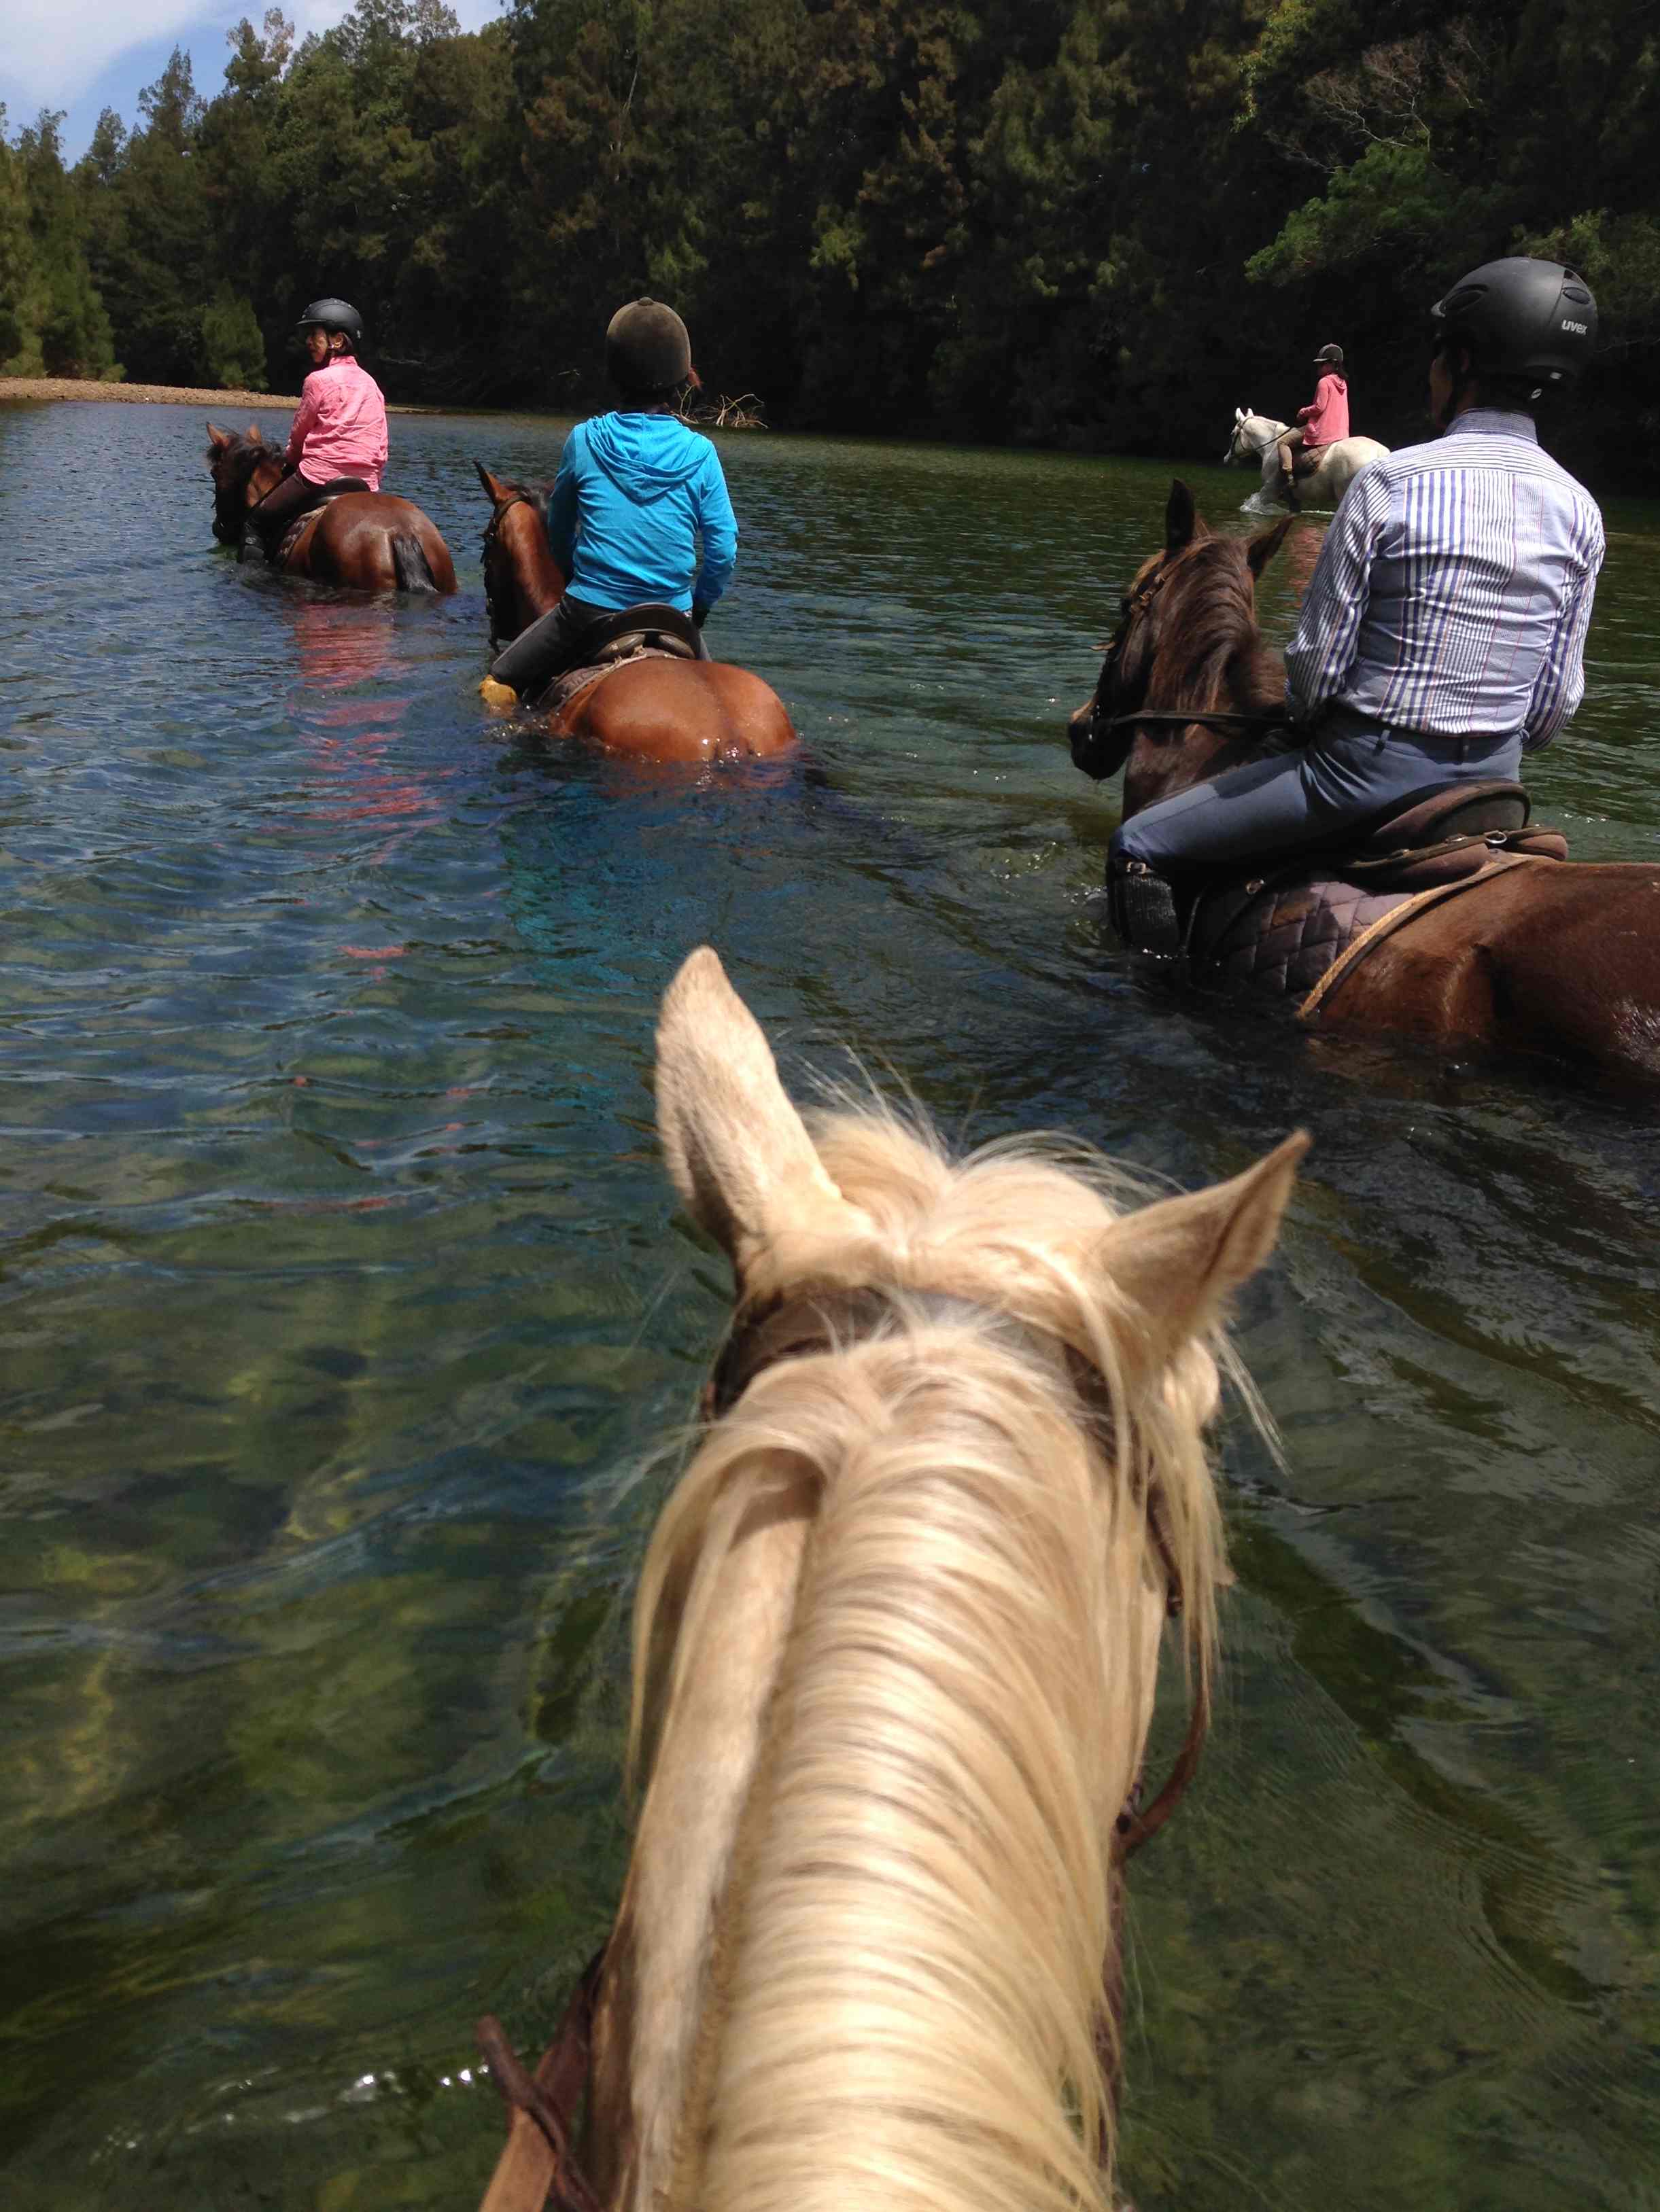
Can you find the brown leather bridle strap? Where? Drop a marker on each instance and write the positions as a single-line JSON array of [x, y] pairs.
[[537, 2156]]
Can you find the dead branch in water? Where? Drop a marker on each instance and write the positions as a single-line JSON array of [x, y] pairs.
[[743, 413]]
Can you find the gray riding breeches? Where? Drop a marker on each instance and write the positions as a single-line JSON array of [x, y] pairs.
[[1347, 776]]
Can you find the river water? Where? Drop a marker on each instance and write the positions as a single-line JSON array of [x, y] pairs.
[[344, 1300]]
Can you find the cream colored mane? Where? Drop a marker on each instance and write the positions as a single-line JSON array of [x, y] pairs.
[[895, 1659]]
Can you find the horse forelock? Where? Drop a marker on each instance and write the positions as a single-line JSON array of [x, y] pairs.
[[977, 1627]]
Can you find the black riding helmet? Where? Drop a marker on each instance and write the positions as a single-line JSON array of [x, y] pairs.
[[1329, 355], [647, 348], [1521, 318], [333, 315]]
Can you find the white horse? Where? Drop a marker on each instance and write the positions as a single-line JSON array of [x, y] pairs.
[[895, 1658], [1256, 437]]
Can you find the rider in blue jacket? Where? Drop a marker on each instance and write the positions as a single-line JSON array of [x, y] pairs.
[[635, 494]]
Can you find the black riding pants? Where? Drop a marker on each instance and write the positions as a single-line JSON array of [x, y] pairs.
[[550, 644], [295, 496]]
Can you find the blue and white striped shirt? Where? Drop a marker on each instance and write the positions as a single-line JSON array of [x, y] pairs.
[[1453, 589]]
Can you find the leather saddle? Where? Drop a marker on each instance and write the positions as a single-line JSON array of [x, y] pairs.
[[1443, 834], [1281, 928], [254, 546], [630, 630]]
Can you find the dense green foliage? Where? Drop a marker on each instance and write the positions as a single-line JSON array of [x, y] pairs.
[[1089, 222]]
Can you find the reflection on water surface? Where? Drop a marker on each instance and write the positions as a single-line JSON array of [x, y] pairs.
[[345, 1302]]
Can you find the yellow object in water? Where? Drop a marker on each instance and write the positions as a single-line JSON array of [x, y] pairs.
[[500, 698]]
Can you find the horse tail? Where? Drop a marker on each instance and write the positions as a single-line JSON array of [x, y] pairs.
[[409, 560], [911, 1946]]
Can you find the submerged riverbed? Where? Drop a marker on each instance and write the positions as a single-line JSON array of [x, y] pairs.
[[344, 1303]]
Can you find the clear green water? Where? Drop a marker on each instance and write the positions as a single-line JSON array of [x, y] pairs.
[[342, 1301]]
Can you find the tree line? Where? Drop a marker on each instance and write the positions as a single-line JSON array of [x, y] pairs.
[[1097, 224]]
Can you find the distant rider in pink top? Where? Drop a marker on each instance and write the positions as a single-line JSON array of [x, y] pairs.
[[1324, 420], [340, 429]]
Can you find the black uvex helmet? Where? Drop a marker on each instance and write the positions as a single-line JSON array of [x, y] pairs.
[[1330, 357], [333, 315], [1521, 318], [647, 348]]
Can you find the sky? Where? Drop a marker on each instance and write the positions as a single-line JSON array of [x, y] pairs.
[[82, 55]]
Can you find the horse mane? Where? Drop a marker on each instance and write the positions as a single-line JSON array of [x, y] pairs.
[[1206, 612], [903, 1978]]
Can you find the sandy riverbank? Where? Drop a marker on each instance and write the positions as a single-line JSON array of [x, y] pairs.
[[74, 387], [177, 395]]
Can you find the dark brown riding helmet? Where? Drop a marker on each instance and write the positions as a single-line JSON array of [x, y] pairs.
[[647, 348]]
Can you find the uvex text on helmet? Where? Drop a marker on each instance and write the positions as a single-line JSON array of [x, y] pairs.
[[1521, 318], [333, 315], [647, 348]]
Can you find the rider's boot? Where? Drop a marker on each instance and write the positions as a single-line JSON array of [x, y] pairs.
[[1142, 906]]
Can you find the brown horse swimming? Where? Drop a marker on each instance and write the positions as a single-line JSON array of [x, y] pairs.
[[368, 541], [655, 709], [1541, 955]]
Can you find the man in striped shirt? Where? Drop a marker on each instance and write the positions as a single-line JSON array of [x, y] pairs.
[[1443, 632]]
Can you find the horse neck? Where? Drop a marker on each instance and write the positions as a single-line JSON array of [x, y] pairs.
[[264, 477], [961, 1613], [895, 1656], [1245, 677], [538, 584]]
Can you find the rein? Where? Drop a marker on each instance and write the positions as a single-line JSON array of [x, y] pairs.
[[1215, 719], [799, 1323], [1257, 452]]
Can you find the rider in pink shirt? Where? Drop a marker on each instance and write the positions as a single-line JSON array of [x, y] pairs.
[[1324, 420], [340, 427]]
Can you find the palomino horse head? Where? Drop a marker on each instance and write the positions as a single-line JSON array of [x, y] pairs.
[[244, 469], [895, 1650], [1187, 642], [520, 577]]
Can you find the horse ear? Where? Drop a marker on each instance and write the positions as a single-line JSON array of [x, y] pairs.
[[495, 491], [1262, 550], [1178, 1260], [218, 437], [253, 432], [1238, 414], [1181, 517], [738, 1150]]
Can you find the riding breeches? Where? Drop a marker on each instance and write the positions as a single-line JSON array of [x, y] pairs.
[[283, 504], [1345, 777]]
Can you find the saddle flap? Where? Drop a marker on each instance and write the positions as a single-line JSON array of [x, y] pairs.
[[1453, 810], [630, 630]]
